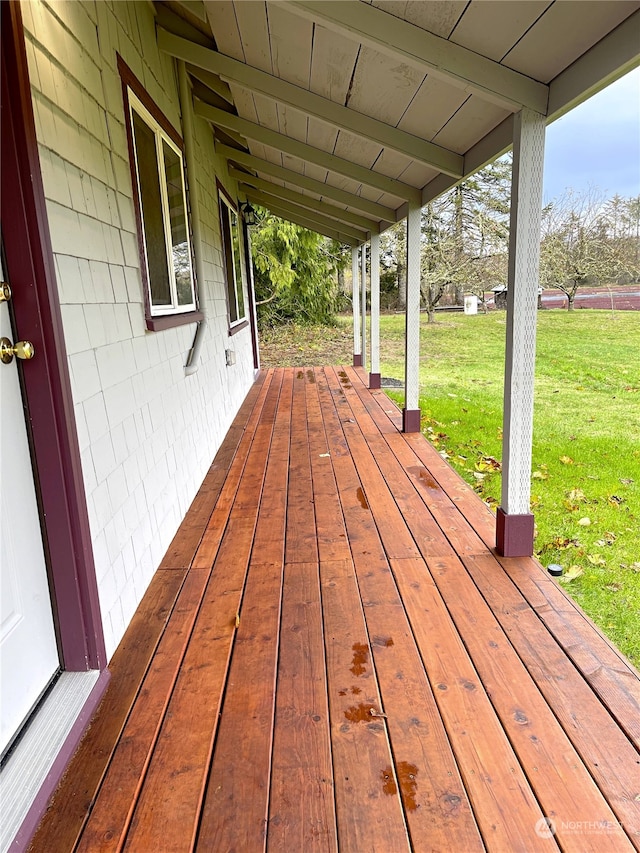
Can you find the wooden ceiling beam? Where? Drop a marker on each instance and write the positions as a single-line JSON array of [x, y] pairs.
[[286, 144], [337, 115], [306, 222], [286, 207], [285, 194], [426, 51], [376, 211]]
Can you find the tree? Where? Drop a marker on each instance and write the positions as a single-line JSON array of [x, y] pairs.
[[581, 242], [295, 271]]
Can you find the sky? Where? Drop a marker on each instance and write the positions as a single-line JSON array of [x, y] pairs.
[[597, 144]]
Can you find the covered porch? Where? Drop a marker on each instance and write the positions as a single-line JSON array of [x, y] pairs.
[[332, 655]]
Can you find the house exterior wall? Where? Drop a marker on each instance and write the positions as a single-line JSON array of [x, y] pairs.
[[147, 432]]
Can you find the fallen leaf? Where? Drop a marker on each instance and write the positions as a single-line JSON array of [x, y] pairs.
[[324, 455], [572, 573], [577, 495], [584, 522], [566, 460], [635, 567], [479, 476], [539, 475], [626, 481], [614, 500], [614, 587], [596, 560]]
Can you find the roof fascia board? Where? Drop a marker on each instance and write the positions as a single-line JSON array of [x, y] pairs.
[[286, 194], [283, 143], [273, 203], [609, 59], [371, 208], [311, 104], [430, 53]]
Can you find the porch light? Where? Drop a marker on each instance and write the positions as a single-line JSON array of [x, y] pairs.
[[248, 213]]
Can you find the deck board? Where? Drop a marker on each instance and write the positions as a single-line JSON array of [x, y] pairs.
[[334, 658]]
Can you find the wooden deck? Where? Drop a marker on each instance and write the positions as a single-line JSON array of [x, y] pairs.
[[332, 657]]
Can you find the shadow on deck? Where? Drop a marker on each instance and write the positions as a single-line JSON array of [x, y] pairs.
[[332, 656]]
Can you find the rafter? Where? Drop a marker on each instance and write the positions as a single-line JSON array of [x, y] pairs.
[[287, 207], [257, 132], [430, 53], [371, 208], [284, 193], [311, 104], [308, 222]]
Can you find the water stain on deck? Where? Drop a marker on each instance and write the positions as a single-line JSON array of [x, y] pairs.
[[360, 658], [344, 378], [361, 498], [358, 713], [300, 375], [424, 477], [388, 782], [311, 376], [408, 784]]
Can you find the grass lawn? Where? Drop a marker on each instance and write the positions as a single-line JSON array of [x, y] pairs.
[[586, 450]]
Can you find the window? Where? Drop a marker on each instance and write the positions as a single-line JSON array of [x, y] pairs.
[[233, 260], [157, 170]]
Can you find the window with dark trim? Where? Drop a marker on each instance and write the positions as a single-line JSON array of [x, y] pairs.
[[233, 260], [158, 178]]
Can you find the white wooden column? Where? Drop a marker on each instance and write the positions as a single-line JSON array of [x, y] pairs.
[[514, 523], [355, 297], [363, 301], [374, 375], [411, 411]]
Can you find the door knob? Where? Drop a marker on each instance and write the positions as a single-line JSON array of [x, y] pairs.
[[5, 292], [22, 349]]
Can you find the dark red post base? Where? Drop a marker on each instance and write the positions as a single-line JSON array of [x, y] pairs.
[[411, 420], [357, 360], [514, 534], [374, 381]]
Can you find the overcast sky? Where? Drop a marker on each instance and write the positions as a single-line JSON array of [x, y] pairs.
[[597, 144]]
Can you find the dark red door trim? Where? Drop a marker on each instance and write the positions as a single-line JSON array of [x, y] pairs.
[[45, 380]]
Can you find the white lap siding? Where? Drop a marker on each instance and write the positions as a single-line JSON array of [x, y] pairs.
[[147, 433]]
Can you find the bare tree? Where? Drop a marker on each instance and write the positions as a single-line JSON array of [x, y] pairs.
[[580, 243]]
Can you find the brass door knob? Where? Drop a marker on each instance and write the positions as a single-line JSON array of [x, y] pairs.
[[5, 292], [22, 349]]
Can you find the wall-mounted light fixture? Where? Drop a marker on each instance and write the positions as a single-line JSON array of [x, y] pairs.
[[248, 213]]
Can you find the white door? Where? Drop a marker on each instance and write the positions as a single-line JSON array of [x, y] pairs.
[[28, 652]]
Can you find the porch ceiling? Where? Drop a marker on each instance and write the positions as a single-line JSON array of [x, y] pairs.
[[338, 110]]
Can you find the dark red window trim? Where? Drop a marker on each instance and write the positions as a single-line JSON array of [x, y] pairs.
[[242, 324], [155, 323]]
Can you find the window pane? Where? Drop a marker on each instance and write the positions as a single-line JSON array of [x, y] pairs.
[[181, 252], [237, 260], [151, 201]]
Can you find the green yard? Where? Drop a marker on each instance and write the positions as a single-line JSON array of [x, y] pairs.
[[586, 452]]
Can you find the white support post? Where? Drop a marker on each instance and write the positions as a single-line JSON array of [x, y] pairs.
[[514, 523], [411, 411], [374, 375], [355, 297], [363, 301]]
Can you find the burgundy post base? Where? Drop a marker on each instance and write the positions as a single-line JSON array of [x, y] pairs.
[[357, 360], [411, 420], [514, 534], [374, 381]]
